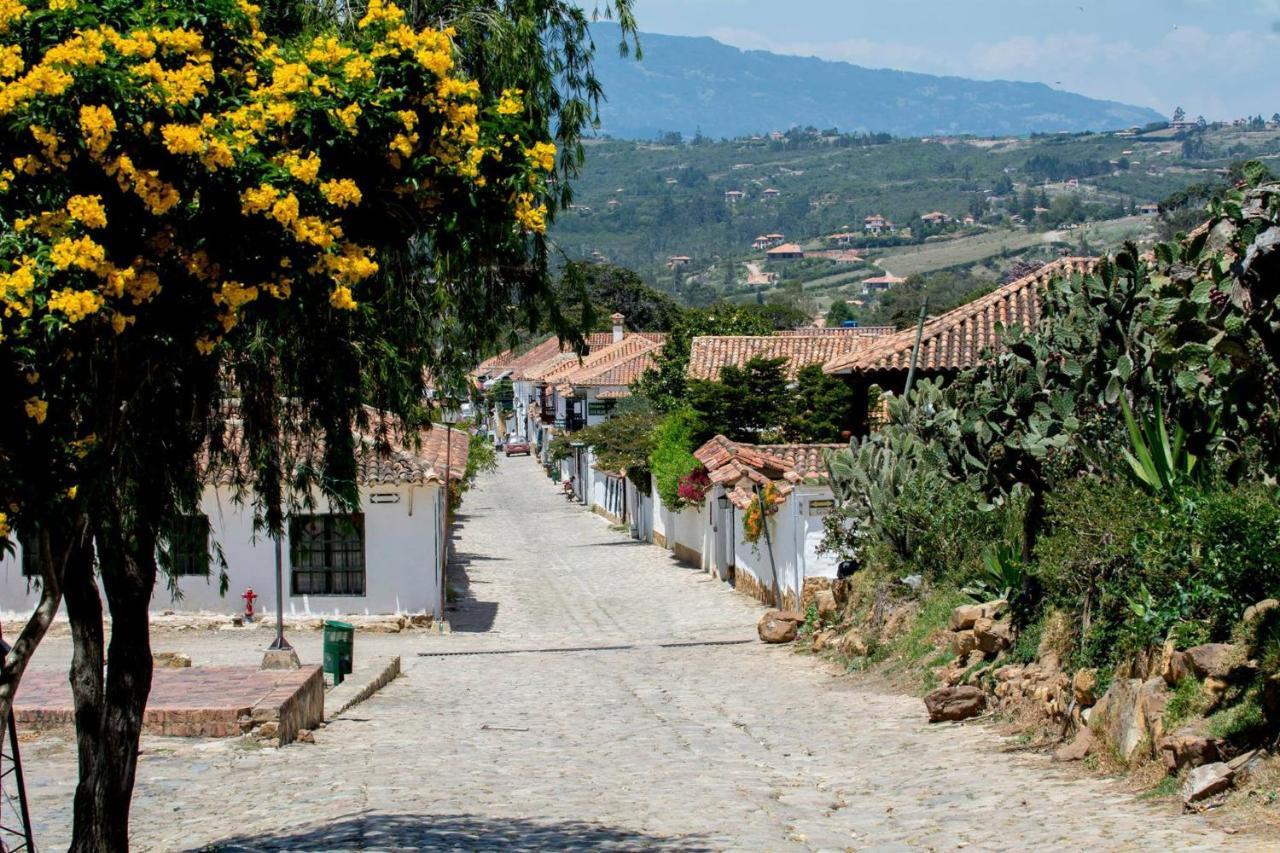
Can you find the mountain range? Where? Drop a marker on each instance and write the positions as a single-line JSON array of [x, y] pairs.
[[687, 84]]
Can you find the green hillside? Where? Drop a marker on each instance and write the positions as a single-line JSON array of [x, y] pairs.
[[638, 204]]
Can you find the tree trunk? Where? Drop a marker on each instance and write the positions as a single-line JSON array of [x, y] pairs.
[[109, 708]]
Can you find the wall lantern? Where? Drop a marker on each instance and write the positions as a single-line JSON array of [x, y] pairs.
[[723, 501]]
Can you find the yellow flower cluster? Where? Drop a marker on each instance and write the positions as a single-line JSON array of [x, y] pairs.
[[76, 304], [36, 409], [510, 103], [305, 169], [98, 125], [341, 193], [351, 266], [11, 63], [158, 195], [87, 210], [81, 252], [542, 155], [10, 11], [16, 287], [61, 5], [378, 12], [342, 299], [532, 217]]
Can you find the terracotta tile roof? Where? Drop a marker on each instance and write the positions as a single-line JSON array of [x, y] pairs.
[[807, 460], [386, 454], [618, 364], [957, 339], [708, 354], [844, 331], [786, 249], [884, 279], [538, 355], [614, 394], [739, 467]]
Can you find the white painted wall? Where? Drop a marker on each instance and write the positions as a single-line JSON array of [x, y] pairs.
[[402, 553]]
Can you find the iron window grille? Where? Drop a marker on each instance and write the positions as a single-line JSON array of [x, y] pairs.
[[187, 543], [326, 554]]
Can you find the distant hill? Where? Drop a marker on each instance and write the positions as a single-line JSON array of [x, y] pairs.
[[686, 84]]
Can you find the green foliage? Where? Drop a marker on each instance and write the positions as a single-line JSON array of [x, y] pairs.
[[481, 457], [820, 407], [665, 384], [623, 443], [745, 404], [671, 459], [1162, 465], [1242, 719], [599, 290]]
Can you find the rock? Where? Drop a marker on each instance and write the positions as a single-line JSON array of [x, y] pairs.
[[963, 642], [171, 660], [963, 617], [1011, 672], [992, 636], [913, 582], [1204, 782], [851, 645], [955, 703], [810, 589], [823, 640], [825, 600], [1173, 664], [420, 620], [1083, 744], [269, 729], [779, 626], [1130, 714], [899, 620], [1253, 611], [306, 736], [1187, 750], [995, 609], [1271, 696], [841, 588], [1212, 660], [1083, 687], [246, 724], [237, 621]]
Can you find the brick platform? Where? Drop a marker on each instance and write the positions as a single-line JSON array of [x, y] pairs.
[[197, 701]]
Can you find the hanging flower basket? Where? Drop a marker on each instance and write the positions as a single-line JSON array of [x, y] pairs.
[[693, 487]]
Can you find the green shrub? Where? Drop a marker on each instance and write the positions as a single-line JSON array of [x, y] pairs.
[[672, 457], [1241, 719]]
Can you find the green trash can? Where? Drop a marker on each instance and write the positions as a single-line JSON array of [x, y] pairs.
[[339, 645]]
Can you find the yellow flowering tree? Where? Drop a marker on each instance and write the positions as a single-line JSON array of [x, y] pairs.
[[199, 219]]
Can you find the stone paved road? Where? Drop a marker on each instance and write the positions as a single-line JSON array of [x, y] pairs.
[[635, 745]]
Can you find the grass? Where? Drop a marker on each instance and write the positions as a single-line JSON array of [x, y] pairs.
[[918, 643], [1245, 716], [1165, 788], [1187, 702], [928, 257]]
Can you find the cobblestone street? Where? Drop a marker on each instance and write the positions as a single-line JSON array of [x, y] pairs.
[[595, 694]]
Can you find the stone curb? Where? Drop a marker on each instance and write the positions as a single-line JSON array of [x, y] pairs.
[[360, 685]]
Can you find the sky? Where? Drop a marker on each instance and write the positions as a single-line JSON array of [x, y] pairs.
[[1216, 58]]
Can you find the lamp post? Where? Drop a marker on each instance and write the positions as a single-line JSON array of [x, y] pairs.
[[449, 418]]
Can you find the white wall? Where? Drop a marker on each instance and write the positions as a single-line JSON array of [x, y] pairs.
[[401, 561]]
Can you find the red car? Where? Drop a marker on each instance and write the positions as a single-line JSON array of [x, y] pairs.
[[517, 447]]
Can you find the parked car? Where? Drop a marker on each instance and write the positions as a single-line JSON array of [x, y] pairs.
[[517, 447]]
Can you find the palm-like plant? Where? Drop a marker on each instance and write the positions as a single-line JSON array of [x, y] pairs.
[[1158, 461]]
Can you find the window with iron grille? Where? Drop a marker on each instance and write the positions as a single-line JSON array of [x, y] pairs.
[[326, 554], [188, 545]]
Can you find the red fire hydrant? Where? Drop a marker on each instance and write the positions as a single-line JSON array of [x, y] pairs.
[[249, 597]]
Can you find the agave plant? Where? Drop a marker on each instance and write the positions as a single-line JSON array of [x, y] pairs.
[[1159, 462]]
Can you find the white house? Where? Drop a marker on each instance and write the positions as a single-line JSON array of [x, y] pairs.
[[712, 536], [385, 557]]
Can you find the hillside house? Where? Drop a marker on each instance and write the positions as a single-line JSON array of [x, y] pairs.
[[843, 238], [936, 217], [734, 196], [877, 224], [676, 261], [765, 241], [952, 342], [881, 283], [383, 557], [770, 193], [1148, 208], [785, 252]]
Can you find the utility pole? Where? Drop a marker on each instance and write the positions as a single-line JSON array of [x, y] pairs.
[[915, 350]]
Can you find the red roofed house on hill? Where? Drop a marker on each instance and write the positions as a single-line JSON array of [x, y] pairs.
[[785, 252]]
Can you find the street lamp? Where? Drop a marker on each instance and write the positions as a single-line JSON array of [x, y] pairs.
[[448, 417]]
